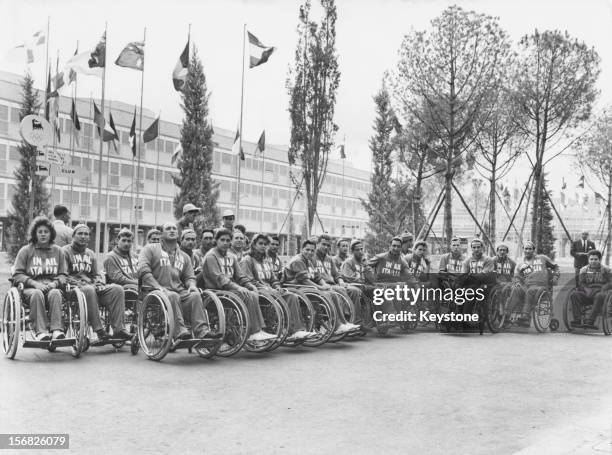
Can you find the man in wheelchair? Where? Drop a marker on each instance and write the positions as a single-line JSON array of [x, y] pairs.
[[164, 266], [83, 272], [120, 265], [355, 271], [533, 273], [504, 267], [40, 267], [451, 264], [594, 280]]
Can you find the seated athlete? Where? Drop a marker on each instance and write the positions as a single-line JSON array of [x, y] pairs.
[[477, 272], [188, 243], [83, 272], [258, 269], [356, 272], [165, 267], [273, 257], [153, 236], [503, 267], [120, 265], [207, 243], [594, 280], [301, 271], [222, 271], [40, 267], [451, 264], [342, 252], [533, 272], [418, 264]]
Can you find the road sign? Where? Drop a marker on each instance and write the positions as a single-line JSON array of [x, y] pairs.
[[36, 130]]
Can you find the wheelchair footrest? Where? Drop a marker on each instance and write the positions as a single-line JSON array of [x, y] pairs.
[[63, 342], [183, 344]]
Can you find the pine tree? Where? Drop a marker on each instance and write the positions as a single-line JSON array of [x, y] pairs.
[[546, 239], [195, 165], [20, 215]]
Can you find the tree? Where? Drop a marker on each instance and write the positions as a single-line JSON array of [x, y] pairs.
[[594, 157], [443, 79], [195, 181], [312, 84], [387, 203], [555, 90], [21, 214], [545, 244]]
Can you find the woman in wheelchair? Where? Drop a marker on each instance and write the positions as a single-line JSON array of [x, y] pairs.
[[221, 271], [533, 273], [41, 268], [594, 280], [259, 269]]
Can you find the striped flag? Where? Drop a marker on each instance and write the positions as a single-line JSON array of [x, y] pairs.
[[258, 52], [179, 75], [34, 41]]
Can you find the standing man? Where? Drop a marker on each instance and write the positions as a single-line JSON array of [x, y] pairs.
[[228, 220], [83, 272], [190, 212], [273, 257], [579, 250], [342, 248], [61, 225]]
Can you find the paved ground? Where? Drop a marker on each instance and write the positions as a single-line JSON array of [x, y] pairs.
[[408, 394]]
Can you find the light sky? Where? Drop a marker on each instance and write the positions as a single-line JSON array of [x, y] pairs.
[[369, 34]]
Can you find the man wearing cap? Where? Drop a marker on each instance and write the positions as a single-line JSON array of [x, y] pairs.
[[342, 248], [188, 243], [228, 220], [165, 267], [153, 236], [62, 227], [83, 272], [205, 245], [579, 251], [407, 243], [533, 272], [120, 265], [190, 212]]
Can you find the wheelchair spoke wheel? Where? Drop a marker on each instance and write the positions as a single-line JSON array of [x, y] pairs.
[[542, 312], [568, 313], [347, 310], [11, 323], [308, 316], [155, 325], [77, 322], [273, 322], [325, 319], [283, 330], [237, 324], [606, 313], [496, 313], [216, 320]]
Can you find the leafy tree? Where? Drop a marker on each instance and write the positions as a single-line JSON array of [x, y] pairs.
[[24, 208], [443, 79], [195, 181], [555, 90], [312, 84]]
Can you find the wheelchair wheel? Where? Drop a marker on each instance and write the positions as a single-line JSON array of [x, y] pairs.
[[216, 319], [496, 313], [606, 315], [237, 324], [134, 345], [155, 325], [274, 320], [324, 321], [11, 323], [285, 324], [308, 315], [346, 307], [77, 322], [542, 311], [568, 312]]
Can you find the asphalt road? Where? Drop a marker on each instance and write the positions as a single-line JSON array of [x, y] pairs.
[[418, 393]]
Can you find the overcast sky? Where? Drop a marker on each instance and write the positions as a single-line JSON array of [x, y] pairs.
[[369, 34]]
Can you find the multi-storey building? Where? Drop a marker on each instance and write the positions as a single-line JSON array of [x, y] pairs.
[[339, 207]]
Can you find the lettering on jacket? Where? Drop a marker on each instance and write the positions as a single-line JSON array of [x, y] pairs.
[[43, 266]]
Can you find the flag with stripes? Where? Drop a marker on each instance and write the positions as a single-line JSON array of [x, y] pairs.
[[179, 75], [259, 54]]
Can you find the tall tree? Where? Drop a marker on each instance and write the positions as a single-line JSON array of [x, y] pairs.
[[594, 157], [195, 181], [555, 90], [28, 183], [312, 84], [545, 243], [443, 79]]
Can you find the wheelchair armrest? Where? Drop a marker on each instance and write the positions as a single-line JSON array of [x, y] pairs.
[[298, 286]]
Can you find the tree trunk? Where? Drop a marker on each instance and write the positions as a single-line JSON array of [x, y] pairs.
[[448, 214], [492, 206], [535, 218], [609, 238]]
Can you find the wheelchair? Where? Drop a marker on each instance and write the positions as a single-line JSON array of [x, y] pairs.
[[540, 314], [383, 327], [276, 320], [308, 316], [155, 325], [605, 316], [16, 327]]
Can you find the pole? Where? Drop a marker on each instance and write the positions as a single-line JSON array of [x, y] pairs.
[[238, 160], [156, 188], [72, 142], [484, 234], [261, 205], [55, 138], [139, 149], [101, 154]]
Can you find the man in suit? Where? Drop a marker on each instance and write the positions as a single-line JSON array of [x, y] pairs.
[[579, 251]]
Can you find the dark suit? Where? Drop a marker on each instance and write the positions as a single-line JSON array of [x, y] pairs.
[[580, 260]]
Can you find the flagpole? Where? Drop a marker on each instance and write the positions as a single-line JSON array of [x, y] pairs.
[[139, 147], [133, 174], [156, 189], [56, 123], [239, 158], [74, 99], [110, 104], [263, 165], [101, 153]]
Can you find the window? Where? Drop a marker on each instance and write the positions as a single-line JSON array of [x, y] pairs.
[[167, 207], [126, 202], [168, 177], [4, 119], [170, 146], [126, 170], [149, 173], [15, 115], [75, 197], [226, 158], [148, 206], [112, 201], [217, 162], [14, 154], [150, 146], [125, 137], [87, 136]]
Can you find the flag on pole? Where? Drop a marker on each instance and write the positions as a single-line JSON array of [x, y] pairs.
[[72, 73], [258, 52], [261, 143], [35, 40], [58, 82], [151, 132], [178, 151], [47, 95], [98, 119], [109, 133], [133, 135], [91, 62], [342, 154], [580, 182], [132, 56], [179, 75], [236, 148], [75, 122]]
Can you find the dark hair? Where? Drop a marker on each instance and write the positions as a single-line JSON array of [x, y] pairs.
[[60, 210], [323, 237], [221, 232], [125, 233], [241, 228], [395, 239], [308, 242], [419, 243], [594, 253], [275, 238], [36, 223], [152, 232], [208, 230]]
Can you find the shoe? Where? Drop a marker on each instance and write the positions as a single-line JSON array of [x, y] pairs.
[[299, 335], [261, 336], [342, 329], [576, 324], [210, 336], [184, 334], [102, 335], [58, 335], [122, 335], [43, 336], [590, 325]]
